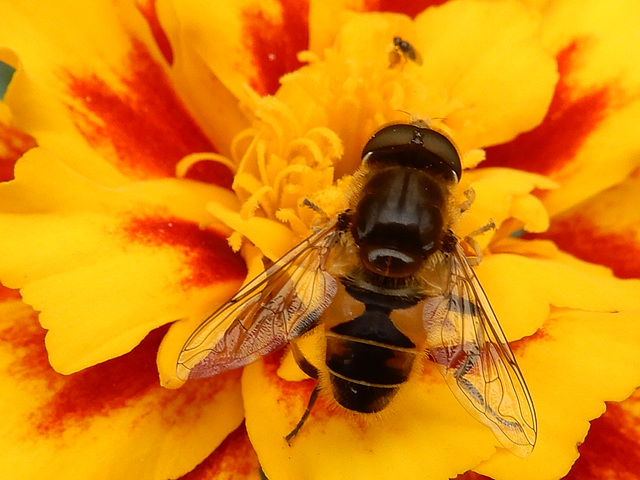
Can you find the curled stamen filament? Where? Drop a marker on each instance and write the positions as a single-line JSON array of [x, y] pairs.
[[185, 163], [283, 174], [257, 199]]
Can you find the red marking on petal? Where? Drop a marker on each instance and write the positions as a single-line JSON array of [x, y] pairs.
[[571, 118], [148, 10], [410, 8], [103, 388], [275, 43], [472, 476], [206, 172], [94, 391], [144, 128], [234, 458], [181, 405], [9, 294], [206, 251], [13, 143], [577, 235], [519, 347], [26, 338], [98, 391], [611, 448]]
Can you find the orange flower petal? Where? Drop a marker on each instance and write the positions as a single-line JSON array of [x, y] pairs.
[[271, 237], [501, 194], [13, 143], [212, 104], [246, 43], [523, 289], [74, 247], [611, 448], [101, 93], [580, 342], [604, 229], [351, 89], [234, 459], [323, 27], [415, 428], [566, 301], [587, 141], [467, 46], [109, 421], [577, 361]]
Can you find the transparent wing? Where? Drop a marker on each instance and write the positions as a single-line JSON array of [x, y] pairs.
[[277, 306], [467, 343]]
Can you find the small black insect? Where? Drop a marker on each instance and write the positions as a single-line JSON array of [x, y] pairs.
[[404, 50]]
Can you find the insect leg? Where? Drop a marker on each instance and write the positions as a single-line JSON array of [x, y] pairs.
[[305, 415], [306, 366], [472, 391], [469, 240], [465, 366], [308, 203], [471, 196]]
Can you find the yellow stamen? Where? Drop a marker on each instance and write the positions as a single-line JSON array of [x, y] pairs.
[[255, 201], [288, 215], [246, 182], [331, 141], [185, 163], [284, 173], [261, 153], [238, 151]]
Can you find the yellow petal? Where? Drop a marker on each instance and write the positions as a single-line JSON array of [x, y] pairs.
[[323, 26], [589, 340], [500, 194], [486, 57], [57, 427], [572, 366], [522, 290], [433, 442], [481, 81], [107, 265], [587, 141], [97, 92]]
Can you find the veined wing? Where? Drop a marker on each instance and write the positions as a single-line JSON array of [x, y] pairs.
[[468, 345], [277, 306]]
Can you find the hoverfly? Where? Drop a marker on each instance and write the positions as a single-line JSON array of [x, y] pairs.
[[389, 282]]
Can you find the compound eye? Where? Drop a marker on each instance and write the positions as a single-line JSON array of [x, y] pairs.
[[414, 146]]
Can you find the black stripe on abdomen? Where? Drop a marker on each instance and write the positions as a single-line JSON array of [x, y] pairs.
[[368, 360]]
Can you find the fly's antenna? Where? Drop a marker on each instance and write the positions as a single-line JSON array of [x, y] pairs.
[[308, 203], [322, 219]]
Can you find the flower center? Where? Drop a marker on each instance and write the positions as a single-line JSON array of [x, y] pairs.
[[307, 140]]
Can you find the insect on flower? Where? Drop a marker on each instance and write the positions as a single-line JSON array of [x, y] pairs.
[[389, 282], [403, 51]]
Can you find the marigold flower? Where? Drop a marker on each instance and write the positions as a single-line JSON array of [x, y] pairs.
[[154, 152]]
